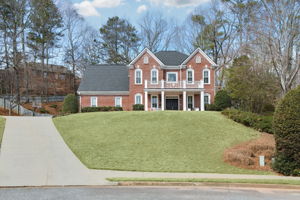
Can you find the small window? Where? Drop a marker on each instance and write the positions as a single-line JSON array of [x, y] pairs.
[[45, 74], [198, 59], [190, 101], [190, 76], [118, 101], [154, 75], [146, 60], [206, 76], [154, 101], [62, 76], [138, 99], [171, 76], [94, 101], [138, 76], [206, 99]]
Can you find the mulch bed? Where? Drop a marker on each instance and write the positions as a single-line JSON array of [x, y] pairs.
[[6, 112], [246, 155]]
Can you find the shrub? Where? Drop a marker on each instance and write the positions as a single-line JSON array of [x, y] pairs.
[[222, 100], [53, 106], [211, 107], [138, 107], [287, 134], [70, 104], [258, 122], [43, 110], [101, 109]]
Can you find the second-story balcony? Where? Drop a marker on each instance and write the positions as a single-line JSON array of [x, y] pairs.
[[174, 85]]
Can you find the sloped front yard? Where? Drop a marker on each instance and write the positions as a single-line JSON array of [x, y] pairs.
[[154, 141]]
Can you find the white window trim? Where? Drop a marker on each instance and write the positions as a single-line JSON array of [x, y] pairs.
[[172, 73], [187, 101], [138, 94], [193, 77], [207, 94], [154, 83], [206, 70], [152, 102], [91, 101], [141, 76], [116, 101]]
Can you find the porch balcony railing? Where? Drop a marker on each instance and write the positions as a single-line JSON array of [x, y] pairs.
[[174, 85]]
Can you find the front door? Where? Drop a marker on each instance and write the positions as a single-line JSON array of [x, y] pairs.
[[171, 104]]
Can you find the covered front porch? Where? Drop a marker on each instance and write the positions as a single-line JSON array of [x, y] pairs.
[[186, 100]]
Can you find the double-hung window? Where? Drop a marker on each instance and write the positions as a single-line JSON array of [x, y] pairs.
[[94, 101], [206, 76], [206, 98], [154, 74], [172, 77], [138, 76], [154, 102], [138, 99], [190, 76], [118, 101]]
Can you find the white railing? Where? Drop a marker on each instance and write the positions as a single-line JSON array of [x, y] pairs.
[[174, 85]]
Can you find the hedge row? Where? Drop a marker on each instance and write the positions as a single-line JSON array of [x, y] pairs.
[[258, 122], [101, 109], [138, 107]]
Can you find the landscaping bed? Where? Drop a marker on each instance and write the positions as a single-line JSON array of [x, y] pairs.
[[52, 108], [246, 155], [154, 141]]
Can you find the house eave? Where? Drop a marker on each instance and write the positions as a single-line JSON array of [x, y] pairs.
[[102, 93]]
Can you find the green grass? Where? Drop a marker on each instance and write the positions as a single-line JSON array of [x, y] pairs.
[[208, 180], [154, 141], [2, 123]]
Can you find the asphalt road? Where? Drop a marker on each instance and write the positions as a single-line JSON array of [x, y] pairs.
[[145, 193]]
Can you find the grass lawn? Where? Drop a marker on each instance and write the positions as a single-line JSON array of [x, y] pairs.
[[208, 180], [2, 123], [154, 141]]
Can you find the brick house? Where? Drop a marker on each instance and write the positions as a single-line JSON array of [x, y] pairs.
[[166, 80]]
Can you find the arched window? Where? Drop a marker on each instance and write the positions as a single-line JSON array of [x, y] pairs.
[[146, 60], [206, 98], [190, 76], [198, 59], [138, 99], [206, 76], [138, 76], [154, 76]]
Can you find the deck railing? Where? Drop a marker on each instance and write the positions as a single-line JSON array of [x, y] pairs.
[[174, 85]]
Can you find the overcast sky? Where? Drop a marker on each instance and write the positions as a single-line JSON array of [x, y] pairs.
[[96, 12]]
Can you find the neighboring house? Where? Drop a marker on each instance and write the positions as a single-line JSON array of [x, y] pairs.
[[167, 80], [36, 81]]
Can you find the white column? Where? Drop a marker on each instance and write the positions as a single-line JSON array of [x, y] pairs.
[[202, 108], [146, 101], [184, 100], [162, 100]]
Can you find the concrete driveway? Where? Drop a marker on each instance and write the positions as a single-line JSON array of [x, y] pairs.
[[34, 154]]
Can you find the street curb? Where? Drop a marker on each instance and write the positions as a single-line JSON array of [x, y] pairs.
[[236, 185]]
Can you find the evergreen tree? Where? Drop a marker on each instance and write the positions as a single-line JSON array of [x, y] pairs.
[[119, 40]]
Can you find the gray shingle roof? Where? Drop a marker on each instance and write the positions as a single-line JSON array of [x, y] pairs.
[[171, 58], [105, 78]]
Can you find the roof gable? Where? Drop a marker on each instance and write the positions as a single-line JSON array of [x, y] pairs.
[[146, 50], [198, 50]]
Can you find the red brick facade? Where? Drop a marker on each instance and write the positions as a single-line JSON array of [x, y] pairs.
[[153, 63]]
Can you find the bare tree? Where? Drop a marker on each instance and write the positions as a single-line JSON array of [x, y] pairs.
[[278, 35]]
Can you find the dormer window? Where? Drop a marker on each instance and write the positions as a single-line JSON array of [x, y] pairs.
[[198, 59], [146, 60]]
